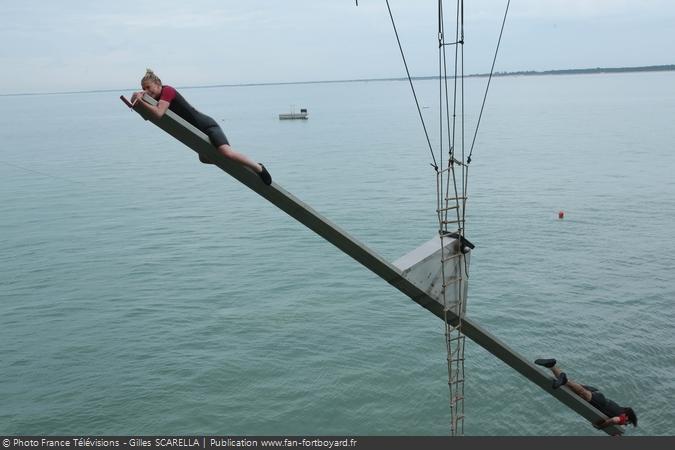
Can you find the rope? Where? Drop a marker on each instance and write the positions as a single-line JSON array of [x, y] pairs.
[[443, 88], [451, 151], [468, 161], [419, 110]]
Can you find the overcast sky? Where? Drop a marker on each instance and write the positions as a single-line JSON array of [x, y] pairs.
[[67, 45]]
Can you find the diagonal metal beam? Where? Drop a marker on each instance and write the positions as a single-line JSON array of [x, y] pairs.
[[303, 213]]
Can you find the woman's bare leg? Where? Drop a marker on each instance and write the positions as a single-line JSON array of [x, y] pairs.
[[242, 159], [576, 387]]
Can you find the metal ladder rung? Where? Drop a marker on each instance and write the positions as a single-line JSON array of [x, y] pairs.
[[447, 222], [459, 230], [456, 255], [455, 198], [448, 208]]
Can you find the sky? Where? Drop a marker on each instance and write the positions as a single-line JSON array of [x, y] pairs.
[[73, 45]]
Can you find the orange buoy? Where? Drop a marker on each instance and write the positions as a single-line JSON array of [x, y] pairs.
[[561, 214]]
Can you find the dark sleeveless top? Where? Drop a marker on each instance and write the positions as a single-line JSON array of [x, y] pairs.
[[607, 406], [180, 106]]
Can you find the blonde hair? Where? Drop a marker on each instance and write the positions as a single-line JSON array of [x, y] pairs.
[[151, 77]]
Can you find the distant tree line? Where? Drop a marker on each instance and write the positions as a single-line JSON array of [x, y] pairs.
[[660, 68]]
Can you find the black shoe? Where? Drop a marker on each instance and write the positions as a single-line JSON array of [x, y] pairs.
[[560, 381], [545, 362], [265, 175]]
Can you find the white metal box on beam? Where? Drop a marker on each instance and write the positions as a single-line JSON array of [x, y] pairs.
[[423, 267]]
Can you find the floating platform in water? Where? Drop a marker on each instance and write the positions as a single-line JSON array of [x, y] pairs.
[[302, 115]]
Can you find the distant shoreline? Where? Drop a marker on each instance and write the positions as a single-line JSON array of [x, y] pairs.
[[596, 70], [661, 68]]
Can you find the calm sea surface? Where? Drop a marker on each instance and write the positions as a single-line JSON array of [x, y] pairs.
[[144, 292]]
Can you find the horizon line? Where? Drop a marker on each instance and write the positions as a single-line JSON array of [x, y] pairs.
[[651, 68]]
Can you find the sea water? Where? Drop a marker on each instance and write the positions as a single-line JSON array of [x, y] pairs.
[[142, 292]]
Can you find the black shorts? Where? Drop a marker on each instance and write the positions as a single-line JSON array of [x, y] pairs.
[[216, 135], [598, 400]]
